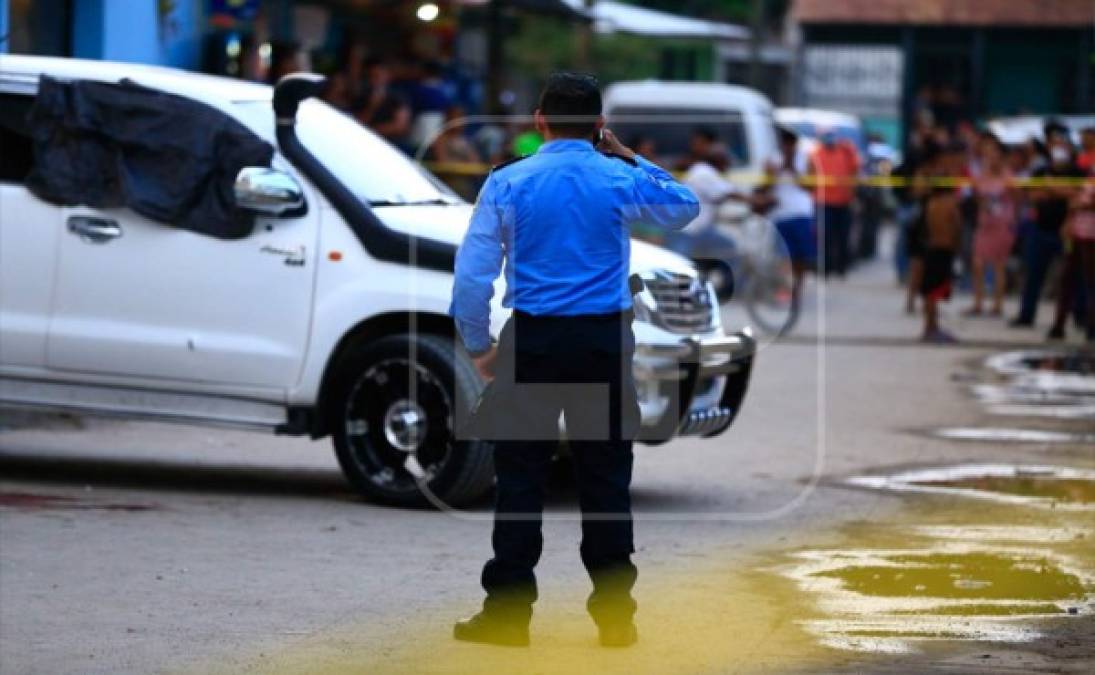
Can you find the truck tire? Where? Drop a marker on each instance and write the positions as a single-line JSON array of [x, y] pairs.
[[391, 408]]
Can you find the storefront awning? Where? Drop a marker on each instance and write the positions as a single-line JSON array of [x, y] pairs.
[[568, 9], [619, 17]]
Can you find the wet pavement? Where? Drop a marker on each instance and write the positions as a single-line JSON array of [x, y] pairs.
[[874, 509], [987, 567]]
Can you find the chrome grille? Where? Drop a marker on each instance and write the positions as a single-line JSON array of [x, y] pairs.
[[683, 304]]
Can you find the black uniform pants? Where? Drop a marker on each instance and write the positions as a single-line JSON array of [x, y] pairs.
[[580, 368]]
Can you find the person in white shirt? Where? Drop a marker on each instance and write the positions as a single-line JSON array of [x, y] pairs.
[[791, 207], [707, 180], [706, 177]]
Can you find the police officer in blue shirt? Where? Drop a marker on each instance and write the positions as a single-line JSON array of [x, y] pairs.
[[559, 221]]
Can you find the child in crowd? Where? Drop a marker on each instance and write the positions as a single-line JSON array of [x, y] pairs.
[[942, 235]]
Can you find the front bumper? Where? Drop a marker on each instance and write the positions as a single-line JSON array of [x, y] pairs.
[[693, 386]]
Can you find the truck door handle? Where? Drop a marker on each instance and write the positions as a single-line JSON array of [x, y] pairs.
[[94, 230]]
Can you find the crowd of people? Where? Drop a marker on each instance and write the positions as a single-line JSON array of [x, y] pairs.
[[419, 105], [974, 212], [1001, 214]]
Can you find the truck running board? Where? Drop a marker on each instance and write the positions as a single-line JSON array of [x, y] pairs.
[[140, 403]]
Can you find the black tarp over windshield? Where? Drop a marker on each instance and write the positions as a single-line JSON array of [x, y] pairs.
[[169, 158]]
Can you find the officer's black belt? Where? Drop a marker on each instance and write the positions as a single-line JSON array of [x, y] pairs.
[[625, 315]]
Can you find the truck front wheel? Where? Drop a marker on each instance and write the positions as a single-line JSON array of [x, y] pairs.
[[391, 410]]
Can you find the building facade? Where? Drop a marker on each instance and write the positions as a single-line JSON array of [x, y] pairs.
[[962, 60]]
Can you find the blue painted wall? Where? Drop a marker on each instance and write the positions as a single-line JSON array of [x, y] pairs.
[[134, 31], [3, 26], [87, 29]]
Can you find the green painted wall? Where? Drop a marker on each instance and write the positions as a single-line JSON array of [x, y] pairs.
[[1027, 77]]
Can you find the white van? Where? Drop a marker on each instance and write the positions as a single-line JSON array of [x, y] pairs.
[[329, 317]]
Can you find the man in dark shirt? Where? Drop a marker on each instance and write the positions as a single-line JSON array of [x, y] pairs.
[[1043, 243]]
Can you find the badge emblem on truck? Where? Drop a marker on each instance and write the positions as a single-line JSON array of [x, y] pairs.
[[293, 257]]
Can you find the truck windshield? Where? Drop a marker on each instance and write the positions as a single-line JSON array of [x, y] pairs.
[[375, 171]]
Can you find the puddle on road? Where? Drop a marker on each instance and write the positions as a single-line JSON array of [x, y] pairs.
[[958, 575], [1033, 534], [1010, 435], [1052, 487], [946, 583], [1044, 360], [1040, 383], [1067, 490]]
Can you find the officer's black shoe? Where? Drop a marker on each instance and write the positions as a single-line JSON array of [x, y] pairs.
[[1020, 322], [490, 629], [618, 634]]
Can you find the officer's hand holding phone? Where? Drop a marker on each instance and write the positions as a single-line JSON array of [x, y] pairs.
[[611, 145], [484, 364]]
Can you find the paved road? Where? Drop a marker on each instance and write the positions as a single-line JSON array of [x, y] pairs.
[[141, 547]]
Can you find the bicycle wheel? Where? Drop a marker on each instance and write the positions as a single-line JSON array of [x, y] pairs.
[[770, 302]]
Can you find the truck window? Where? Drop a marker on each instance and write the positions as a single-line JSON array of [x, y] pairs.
[[17, 154], [671, 128]]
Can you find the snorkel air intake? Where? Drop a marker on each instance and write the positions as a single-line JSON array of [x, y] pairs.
[[379, 240]]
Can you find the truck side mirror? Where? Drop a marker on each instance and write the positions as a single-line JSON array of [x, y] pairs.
[[269, 192]]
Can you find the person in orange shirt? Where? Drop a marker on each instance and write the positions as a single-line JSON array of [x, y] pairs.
[[835, 165], [1086, 159]]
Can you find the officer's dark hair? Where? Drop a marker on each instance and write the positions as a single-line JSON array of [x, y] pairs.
[[571, 102]]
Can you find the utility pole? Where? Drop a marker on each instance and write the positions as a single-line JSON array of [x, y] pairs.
[[756, 43], [584, 57]]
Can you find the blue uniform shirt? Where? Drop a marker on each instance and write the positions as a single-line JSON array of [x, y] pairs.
[[559, 219]]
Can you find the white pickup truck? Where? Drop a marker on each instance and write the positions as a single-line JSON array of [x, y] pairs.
[[329, 318]]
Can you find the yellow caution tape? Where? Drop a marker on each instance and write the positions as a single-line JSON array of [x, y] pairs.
[[476, 169]]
